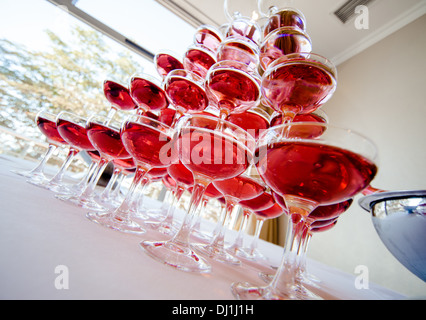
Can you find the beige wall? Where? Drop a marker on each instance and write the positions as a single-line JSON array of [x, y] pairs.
[[381, 93]]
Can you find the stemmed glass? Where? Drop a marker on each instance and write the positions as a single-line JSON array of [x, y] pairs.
[[165, 62], [198, 59], [72, 129], [104, 134], [307, 172], [148, 142], [148, 93], [298, 83], [239, 188], [210, 155], [232, 87], [46, 123], [119, 97]]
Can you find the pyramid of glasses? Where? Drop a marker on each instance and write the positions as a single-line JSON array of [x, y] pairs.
[[237, 121]]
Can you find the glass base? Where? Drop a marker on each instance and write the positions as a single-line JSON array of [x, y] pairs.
[[87, 203], [115, 222], [217, 253], [176, 255], [247, 291]]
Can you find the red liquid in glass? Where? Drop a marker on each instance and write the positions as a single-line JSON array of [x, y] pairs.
[[169, 182], [320, 173], [147, 94], [261, 202], [239, 188], [212, 192], [198, 61], [166, 63], [118, 96], [181, 174], [272, 212], [207, 38], [147, 145], [186, 95], [167, 116], [211, 155], [298, 87], [125, 164], [157, 172], [74, 134], [94, 155], [284, 18], [48, 128], [324, 227], [328, 212], [106, 140], [232, 89], [249, 121]]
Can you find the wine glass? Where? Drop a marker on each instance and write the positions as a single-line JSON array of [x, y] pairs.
[[307, 172], [148, 142], [239, 188], [298, 83], [210, 155], [239, 49], [166, 61], [104, 134], [199, 59], [72, 129], [254, 120], [185, 91], [208, 37], [119, 97], [232, 87], [46, 123], [148, 93]]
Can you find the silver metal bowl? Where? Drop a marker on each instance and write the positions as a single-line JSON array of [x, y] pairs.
[[399, 218]]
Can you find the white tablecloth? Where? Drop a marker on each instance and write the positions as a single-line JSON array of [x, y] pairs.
[[38, 233]]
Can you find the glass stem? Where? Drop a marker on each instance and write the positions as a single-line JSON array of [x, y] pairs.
[[106, 194], [57, 179], [90, 188], [123, 211], [285, 278], [238, 243], [182, 236], [174, 201], [304, 243], [110, 115], [79, 187], [219, 238], [259, 225], [40, 167]]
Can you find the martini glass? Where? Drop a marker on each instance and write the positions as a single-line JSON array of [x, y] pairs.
[[307, 172], [210, 155], [104, 134], [46, 122], [148, 142], [72, 129], [298, 83]]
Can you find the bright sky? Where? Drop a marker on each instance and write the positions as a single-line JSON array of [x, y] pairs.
[[144, 21]]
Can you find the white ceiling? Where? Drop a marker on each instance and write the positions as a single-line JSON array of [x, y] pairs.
[[330, 37]]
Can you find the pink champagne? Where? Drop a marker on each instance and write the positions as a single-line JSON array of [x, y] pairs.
[[212, 192], [250, 121], [118, 96], [181, 174], [208, 38], [284, 18], [48, 128], [165, 63], [272, 212], [198, 61], [169, 182], [167, 116], [94, 155], [147, 145], [106, 140], [261, 202], [325, 227], [125, 164], [74, 134], [213, 156], [239, 188], [232, 89], [186, 95], [298, 86], [157, 172], [328, 212], [148, 95], [313, 171]]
